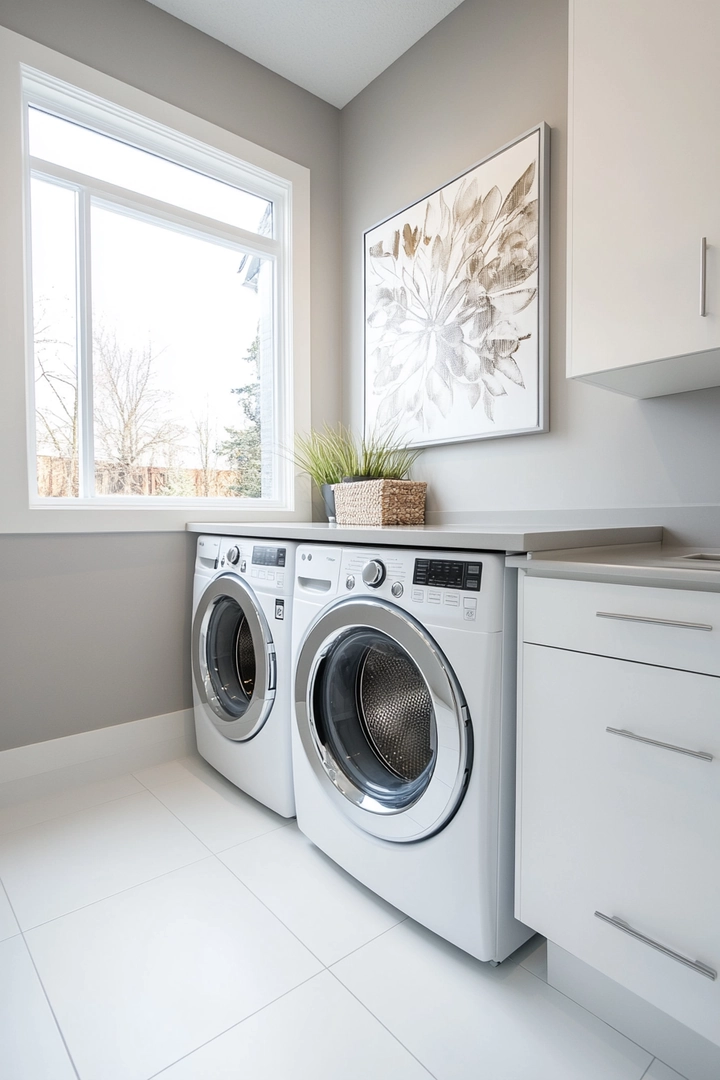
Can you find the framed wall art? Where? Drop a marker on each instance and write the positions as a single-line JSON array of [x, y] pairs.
[[456, 296]]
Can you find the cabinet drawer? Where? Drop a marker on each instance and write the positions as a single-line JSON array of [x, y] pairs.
[[669, 627], [624, 827]]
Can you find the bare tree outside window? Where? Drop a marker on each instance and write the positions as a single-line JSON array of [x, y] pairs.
[[134, 428], [56, 393]]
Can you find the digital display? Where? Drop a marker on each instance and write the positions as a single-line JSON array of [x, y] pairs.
[[447, 574], [268, 556]]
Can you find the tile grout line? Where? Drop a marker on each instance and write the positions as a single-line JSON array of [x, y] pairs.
[[270, 910], [42, 984], [201, 841], [238, 1023], [379, 1021], [595, 1015], [291, 931], [110, 896], [78, 810]]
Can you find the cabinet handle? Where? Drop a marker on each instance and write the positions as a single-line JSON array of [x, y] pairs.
[[694, 965], [665, 745], [703, 275], [657, 622]]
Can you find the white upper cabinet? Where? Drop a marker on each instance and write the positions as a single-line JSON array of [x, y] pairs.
[[644, 189]]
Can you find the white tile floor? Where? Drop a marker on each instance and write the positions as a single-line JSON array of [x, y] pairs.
[[164, 924]]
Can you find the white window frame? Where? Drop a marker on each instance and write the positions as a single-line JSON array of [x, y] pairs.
[[32, 74]]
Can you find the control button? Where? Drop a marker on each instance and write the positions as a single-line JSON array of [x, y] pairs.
[[473, 583], [233, 555], [350, 582], [396, 588], [280, 580], [262, 574], [373, 573], [418, 595], [469, 608], [254, 573], [434, 596], [452, 599], [270, 575]]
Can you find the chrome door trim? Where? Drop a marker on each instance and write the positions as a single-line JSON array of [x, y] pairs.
[[446, 788], [246, 726]]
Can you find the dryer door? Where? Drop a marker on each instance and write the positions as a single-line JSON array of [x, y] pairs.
[[233, 658], [382, 719]]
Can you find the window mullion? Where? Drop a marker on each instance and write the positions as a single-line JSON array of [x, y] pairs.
[[84, 322], [255, 243]]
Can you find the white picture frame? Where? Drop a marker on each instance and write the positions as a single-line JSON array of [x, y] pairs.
[[456, 305]]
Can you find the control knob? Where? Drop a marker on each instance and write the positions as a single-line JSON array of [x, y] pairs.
[[373, 573], [233, 555], [396, 589]]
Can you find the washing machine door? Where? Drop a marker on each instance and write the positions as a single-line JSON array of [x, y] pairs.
[[382, 719], [233, 658]]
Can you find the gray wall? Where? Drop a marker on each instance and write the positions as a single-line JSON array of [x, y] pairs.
[[94, 630], [491, 70]]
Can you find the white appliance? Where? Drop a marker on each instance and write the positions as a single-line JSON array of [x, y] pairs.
[[241, 641], [404, 733]]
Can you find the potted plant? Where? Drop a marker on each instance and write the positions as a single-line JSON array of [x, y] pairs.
[[334, 455], [327, 456]]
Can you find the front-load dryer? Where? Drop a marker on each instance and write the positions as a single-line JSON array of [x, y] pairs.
[[241, 642], [404, 733]]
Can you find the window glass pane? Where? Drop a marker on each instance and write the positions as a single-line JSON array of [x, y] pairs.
[[88, 152], [53, 216], [182, 362]]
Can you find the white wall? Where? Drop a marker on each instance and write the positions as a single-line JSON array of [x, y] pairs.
[[491, 70]]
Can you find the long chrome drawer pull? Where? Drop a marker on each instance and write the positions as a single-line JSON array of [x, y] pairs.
[[703, 275], [658, 622], [665, 745], [702, 969]]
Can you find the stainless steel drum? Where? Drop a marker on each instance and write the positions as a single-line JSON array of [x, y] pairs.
[[382, 719], [396, 709]]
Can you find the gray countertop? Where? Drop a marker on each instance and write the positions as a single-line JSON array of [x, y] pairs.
[[506, 538], [639, 564]]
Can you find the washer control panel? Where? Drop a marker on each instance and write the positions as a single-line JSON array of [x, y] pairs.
[[439, 588]]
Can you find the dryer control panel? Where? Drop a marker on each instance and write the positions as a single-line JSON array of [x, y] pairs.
[[447, 574]]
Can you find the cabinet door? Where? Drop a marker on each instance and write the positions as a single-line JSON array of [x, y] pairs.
[[627, 828], [644, 181]]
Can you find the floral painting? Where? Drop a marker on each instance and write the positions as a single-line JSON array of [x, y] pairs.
[[454, 306]]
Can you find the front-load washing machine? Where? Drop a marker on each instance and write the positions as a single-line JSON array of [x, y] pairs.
[[404, 733], [241, 642]]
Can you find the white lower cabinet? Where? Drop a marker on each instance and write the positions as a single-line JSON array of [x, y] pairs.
[[618, 825]]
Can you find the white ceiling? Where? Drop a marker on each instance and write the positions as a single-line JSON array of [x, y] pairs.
[[333, 48]]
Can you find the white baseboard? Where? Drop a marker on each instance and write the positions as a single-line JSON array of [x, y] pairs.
[[94, 755], [691, 1055]]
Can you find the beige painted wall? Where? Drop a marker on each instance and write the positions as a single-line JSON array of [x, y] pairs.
[[491, 70], [94, 629]]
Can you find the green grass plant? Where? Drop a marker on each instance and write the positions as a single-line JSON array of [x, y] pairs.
[[330, 454]]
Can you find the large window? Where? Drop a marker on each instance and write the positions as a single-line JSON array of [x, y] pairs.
[[159, 281]]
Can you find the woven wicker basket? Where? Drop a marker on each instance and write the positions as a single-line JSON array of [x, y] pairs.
[[380, 502]]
